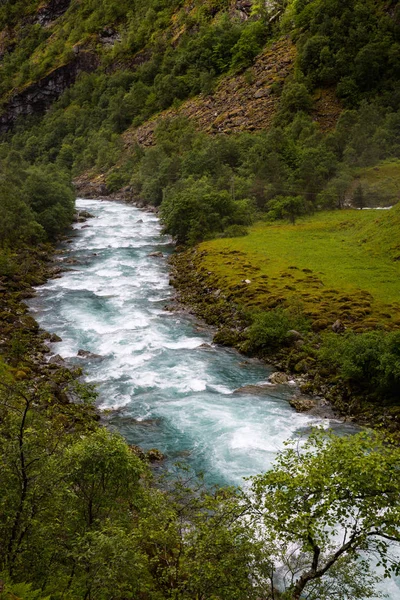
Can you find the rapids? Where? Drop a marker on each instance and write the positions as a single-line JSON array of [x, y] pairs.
[[160, 380], [159, 377]]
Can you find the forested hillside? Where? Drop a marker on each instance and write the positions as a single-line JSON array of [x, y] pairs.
[[250, 125]]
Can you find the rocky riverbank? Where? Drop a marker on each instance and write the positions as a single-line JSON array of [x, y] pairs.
[[320, 393], [24, 348], [27, 351]]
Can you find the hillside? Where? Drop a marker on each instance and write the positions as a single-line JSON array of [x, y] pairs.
[[260, 132], [222, 114]]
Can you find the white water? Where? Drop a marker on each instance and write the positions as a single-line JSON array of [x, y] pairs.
[[162, 387]]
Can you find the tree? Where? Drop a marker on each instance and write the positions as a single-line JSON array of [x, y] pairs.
[[328, 503], [286, 207]]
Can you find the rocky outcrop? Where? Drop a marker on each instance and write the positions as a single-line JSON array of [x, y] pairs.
[[51, 11], [37, 98], [245, 102]]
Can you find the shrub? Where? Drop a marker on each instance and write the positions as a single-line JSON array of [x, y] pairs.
[[249, 45], [295, 98], [369, 361], [271, 330]]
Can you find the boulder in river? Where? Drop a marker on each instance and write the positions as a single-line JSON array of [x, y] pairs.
[[261, 389], [54, 338], [86, 214], [87, 354], [155, 455], [156, 254]]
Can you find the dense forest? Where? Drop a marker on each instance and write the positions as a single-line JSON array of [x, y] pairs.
[[82, 515]]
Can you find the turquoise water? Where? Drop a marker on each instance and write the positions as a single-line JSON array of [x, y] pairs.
[[164, 383]]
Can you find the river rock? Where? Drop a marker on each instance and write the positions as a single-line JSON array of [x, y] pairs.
[[316, 407], [156, 254], [71, 261], [56, 360], [85, 214], [261, 389], [152, 455], [205, 346], [138, 451], [155, 455], [54, 338], [303, 403], [87, 354], [278, 378]]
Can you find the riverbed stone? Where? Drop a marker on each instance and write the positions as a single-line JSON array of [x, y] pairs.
[[54, 338], [262, 389], [316, 407], [155, 455], [56, 360], [87, 354]]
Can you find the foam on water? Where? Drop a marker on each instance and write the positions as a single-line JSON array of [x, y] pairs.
[[169, 387], [155, 365]]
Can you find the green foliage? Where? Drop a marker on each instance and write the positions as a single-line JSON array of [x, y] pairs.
[[194, 208], [36, 203], [273, 329], [81, 518], [324, 503], [295, 98], [249, 45], [289, 207], [369, 361], [349, 43]]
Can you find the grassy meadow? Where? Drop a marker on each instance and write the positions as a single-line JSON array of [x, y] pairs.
[[335, 265]]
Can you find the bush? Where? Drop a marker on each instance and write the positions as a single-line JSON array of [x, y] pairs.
[[271, 330], [369, 361], [249, 45], [295, 98]]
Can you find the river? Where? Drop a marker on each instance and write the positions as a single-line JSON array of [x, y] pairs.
[[160, 379]]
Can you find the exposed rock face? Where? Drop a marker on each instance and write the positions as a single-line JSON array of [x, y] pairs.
[[51, 11], [38, 97], [239, 104]]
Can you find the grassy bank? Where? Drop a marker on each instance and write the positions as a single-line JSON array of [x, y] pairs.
[[339, 265], [319, 298]]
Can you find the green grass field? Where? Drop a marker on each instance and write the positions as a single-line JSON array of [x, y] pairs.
[[340, 264]]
